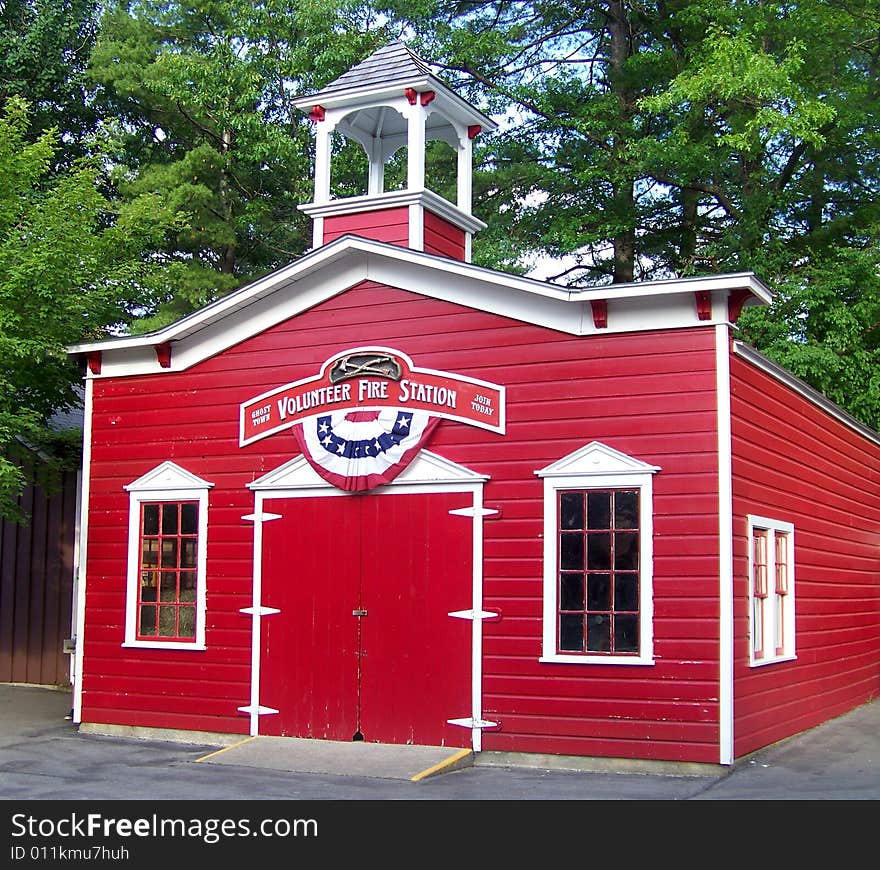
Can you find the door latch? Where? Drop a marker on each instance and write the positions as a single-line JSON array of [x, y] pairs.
[[359, 613]]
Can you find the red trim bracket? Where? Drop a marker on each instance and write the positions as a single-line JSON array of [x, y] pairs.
[[474, 130], [413, 96], [704, 304], [94, 361], [600, 313], [163, 354], [317, 113], [735, 303]]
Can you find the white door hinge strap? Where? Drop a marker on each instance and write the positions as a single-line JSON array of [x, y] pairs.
[[472, 512], [473, 614], [259, 709], [259, 611], [468, 722], [264, 517]]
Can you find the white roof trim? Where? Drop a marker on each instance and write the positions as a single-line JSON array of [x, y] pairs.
[[525, 299], [794, 383], [366, 97], [396, 199], [234, 301]]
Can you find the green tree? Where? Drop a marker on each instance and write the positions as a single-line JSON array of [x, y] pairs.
[[201, 100], [686, 137], [44, 51], [788, 95], [71, 267]]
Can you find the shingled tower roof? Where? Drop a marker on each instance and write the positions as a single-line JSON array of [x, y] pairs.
[[388, 103], [392, 63]]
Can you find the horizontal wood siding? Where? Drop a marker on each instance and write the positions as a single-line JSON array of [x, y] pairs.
[[442, 238], [796, 463], [383, 225], [650, 395], [36, 585]]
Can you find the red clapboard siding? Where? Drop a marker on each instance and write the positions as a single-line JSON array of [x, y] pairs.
[[441, 237], [150, 717], [794, 462], [383, 225], [648, 395], [690, 743]]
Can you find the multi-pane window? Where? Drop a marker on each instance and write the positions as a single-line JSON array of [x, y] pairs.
[[759, 590], [167, 559], [771, 590], [781, 591], [598, 563], [598, 558], [169, 551]]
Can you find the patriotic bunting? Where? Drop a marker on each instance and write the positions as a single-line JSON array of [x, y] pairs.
[[360, 450]]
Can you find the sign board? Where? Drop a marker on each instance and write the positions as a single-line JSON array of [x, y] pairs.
[[375, 379]]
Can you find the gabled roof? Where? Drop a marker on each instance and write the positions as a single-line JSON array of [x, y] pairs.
[[391, 70], [334, 268], [393, 62]]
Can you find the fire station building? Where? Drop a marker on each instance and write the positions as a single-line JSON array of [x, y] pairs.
[[385, 494]]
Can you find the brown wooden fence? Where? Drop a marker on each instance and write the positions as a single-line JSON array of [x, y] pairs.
[[36, 585]]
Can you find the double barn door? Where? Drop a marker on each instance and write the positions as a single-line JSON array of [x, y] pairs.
[[363, 647]]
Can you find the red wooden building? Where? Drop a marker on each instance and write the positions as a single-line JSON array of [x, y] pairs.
[[386, 494]]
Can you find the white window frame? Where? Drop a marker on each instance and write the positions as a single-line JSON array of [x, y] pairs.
[[167, 482], [770, 614], [597, 466]]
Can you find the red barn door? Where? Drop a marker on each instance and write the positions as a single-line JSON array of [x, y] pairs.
[[364, 647], [309, 660]]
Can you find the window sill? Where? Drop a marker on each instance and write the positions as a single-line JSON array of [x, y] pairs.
[[596, 660], [151, 644], [759, 663]]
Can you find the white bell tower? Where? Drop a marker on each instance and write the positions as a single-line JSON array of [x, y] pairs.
[[389, 101]]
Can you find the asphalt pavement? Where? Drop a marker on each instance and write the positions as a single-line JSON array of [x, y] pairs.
[[44, 756]]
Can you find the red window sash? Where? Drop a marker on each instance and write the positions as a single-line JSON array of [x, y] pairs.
[[781, 564], [759, 564], [154, 572], [759, 590], [780, 625]]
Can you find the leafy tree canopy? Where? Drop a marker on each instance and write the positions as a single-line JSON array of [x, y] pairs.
[[44, 50], [640, 140], [200, 98], [71, 266], [671, 138]]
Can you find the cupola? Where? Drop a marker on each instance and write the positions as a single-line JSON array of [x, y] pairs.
[[387, 102]]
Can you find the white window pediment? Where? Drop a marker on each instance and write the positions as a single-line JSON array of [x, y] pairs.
[[596, 458], [169, 476], [426, 468]]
